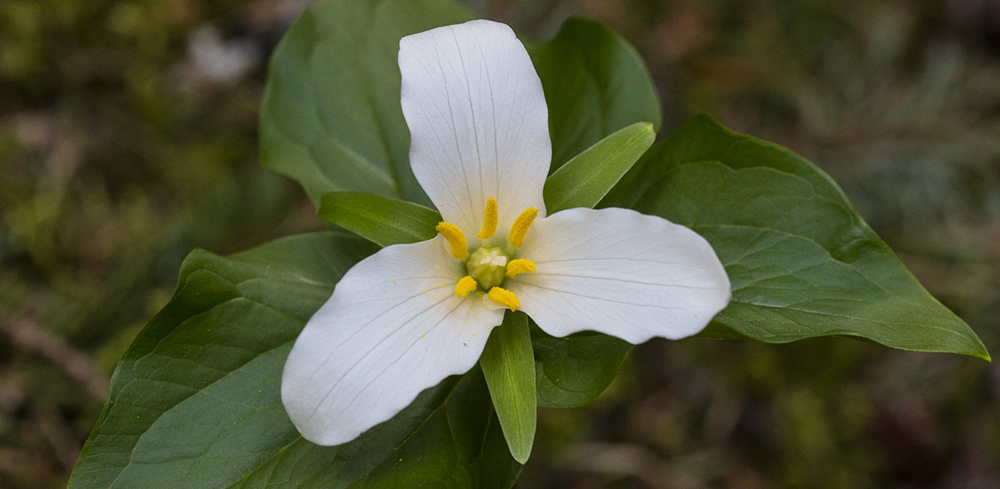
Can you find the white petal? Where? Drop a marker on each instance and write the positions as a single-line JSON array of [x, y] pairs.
[[478, 121], [392, 328], [621, 273]]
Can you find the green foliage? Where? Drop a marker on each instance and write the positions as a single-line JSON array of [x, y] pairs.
[[382, 220], [573, 371], [509, 367], [801, 261], [195, 401], [118, 159], [584, 180], [318, 134], [595, 84], [331, 118]]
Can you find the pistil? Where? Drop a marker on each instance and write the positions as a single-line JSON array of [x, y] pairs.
[[487, 266]]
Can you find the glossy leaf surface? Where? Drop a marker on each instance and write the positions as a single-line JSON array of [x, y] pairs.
[[801, 260], [573, 371]]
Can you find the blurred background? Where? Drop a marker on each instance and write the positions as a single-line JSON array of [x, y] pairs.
[[128, 137]]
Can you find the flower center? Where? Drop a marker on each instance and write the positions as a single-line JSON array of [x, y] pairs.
[[487, 266]]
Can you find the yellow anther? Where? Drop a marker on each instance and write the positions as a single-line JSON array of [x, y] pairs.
[[466, 285], [504, 297], [455, 238], [490, 219], [520, 226], [520, 266]]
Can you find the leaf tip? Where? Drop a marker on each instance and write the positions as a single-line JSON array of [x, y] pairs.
[[649, 130], [521, 456], [979, 350]]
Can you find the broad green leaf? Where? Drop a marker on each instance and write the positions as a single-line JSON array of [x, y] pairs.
[[509, 367], [381, 220], [802, 262], [572, 371], [595, 84], [195, 401], [584, 180], [331, 117]]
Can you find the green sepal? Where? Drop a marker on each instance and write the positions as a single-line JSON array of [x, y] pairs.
[[509, 366], [584, 180], [381, 220]]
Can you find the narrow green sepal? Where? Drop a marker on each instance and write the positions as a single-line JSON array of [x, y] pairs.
[[382, 220], [584, 180], [509, 365]]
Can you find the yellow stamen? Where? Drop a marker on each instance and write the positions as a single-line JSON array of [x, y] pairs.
[[520, 266], [455, 238], [520, 226], [466, 285], [490, 219], [504, 297]]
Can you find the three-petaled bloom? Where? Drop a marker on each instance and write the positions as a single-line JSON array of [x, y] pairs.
[[410, 315]]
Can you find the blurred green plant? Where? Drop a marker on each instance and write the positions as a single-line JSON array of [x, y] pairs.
[[118, 154]]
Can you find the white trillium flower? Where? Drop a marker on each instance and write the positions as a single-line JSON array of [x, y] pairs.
[[407, 317]]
